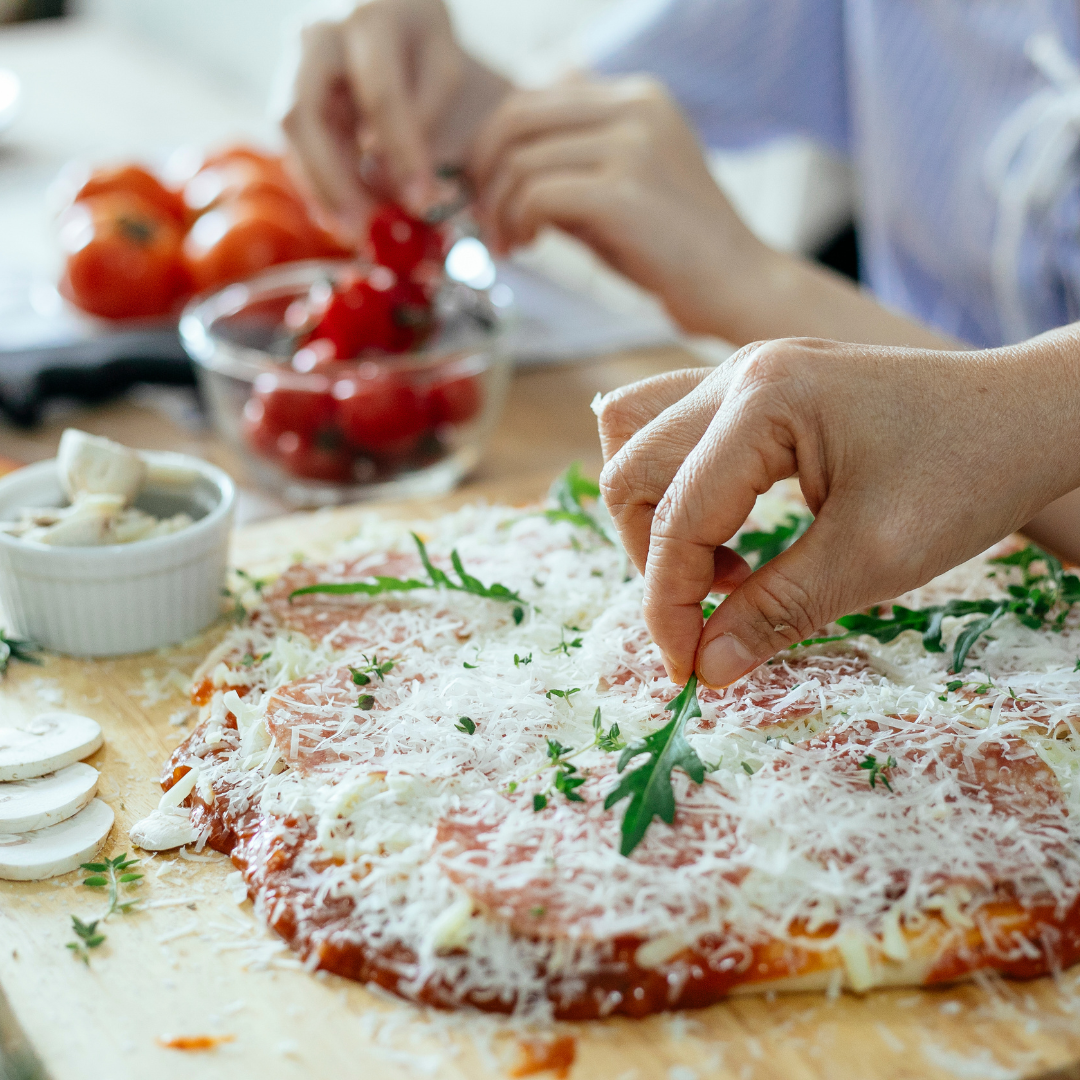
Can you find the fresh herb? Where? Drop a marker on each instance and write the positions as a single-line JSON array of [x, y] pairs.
[[13, 648], [565, 646], [537, 912], [437, 579], [649, 785], [373, 666], [709, 606], [566, 778], [258, 584], [466, 725], [88, 937], [759, 547], [1031, 603], [539, 802], [877, 769], [747, 769], [954, 685], [114, 874], [521, 661], [564, 694], [471, 667], [568, 491], [365, 701], [248, 660]]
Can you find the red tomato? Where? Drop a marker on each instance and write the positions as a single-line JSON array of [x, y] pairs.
[[321, 458], [237, 178], [378, 410], [241, 152], [455, 400], [402, 242], [236, 240], [133, 180], [305, 410], [358, 317], [123, 257]]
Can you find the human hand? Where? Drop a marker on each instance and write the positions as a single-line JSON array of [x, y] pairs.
[[378, 100], [615, 163], [912, 461]]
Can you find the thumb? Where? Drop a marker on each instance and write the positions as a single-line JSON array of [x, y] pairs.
[[806, 587]]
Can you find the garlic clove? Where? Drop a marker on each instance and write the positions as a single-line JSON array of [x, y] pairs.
[[164, 830], [93, 465]]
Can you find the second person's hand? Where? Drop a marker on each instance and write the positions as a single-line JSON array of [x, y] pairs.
[[378, 100]]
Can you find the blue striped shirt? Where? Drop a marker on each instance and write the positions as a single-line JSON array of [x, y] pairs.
[[961, 118]]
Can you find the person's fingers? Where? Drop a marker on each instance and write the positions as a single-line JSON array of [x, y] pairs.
[[624, 412], [636, 478], [745, 450], [814, 582], [528, 114], [586, 149], [317, 121], [374, 66]]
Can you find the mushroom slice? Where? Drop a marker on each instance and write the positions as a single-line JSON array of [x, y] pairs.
[[59, 849], [49, 742], [26, 805]]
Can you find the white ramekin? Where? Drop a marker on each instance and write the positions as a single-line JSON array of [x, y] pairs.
[[120, 598]]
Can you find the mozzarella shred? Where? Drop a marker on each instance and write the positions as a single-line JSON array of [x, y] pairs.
[[389, 841]]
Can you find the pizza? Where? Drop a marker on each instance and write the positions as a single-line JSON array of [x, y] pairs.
[[448, 761]]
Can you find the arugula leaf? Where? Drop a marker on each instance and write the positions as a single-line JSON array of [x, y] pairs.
[[466, 725], [568, 491], [437, 579], [1032, 603], [759, 547], [649, 785]]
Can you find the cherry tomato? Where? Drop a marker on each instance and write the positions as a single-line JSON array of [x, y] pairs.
[[241, 152], [324, 457], [238, 239], [402, 242], [133, 180], [455, 400], [358, 317], [379, 410], [123, 257], [412, 316], [304, 409]]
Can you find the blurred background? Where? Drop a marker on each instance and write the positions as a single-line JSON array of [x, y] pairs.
[[104, 81]]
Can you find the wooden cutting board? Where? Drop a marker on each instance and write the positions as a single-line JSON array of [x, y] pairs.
[[193, 961]]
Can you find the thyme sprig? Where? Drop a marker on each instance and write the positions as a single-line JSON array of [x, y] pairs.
[[566, 778], [114, 874], [877, 769], [437, 579], [1043, 597], [649, 785]]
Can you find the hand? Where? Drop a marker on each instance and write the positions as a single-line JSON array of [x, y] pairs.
[[378, 100], [911, 460], [614, 163]]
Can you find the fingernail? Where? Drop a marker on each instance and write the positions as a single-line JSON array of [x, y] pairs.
[[668, 665], [724, 660]]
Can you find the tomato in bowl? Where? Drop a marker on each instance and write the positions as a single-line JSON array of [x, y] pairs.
[[325, 414]]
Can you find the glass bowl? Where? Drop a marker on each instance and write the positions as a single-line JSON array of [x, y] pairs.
[[379, 426]]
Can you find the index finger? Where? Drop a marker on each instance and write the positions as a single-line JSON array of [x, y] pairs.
[[375, 65], [740, 456]]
